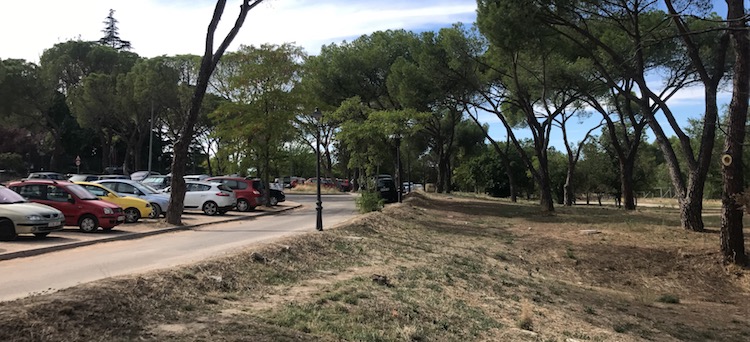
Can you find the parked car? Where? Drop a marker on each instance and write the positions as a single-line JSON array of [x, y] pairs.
[[114, 170], [17, 216], [247, 197], [113, 177], [83, 178], [276, 195], [386, 186], [290, 182], [344, 185], [47, 175], [158, 182], [324, 182], [196, 177], [141, 175], [80, 207], [134, 208], [124, 187], [91, 178], [409, 186], [211, 198]]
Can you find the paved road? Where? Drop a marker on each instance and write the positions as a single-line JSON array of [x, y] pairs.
[[62, 269]]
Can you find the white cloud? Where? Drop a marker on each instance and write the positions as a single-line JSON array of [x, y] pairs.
[[162, 27]]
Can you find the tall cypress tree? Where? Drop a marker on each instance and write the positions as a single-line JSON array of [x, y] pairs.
[[111, 37]]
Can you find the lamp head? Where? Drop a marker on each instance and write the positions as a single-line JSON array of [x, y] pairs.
[[317, 114]]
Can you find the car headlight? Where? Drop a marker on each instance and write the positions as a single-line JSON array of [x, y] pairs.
[[108, 211], [34, 218]]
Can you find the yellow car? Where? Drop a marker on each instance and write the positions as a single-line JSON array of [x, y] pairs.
[[134, 208]]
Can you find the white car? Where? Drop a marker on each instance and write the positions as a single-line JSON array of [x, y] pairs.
[[211, 198], [17, 216]]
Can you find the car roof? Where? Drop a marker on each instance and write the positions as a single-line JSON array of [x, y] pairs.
[[91, 183], [225, 177], [42, 181], [127, 181], [201, 182]]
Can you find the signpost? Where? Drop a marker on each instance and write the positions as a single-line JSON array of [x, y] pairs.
[[78, 164]]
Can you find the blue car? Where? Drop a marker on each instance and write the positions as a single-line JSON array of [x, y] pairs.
[[125, 187]]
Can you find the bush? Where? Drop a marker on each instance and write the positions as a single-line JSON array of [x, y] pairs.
[[11, 163], [369, 201]]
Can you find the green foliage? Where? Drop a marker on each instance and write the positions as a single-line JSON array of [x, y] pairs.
[[369, 201], [12, 163], [260, 83], [669, 299]]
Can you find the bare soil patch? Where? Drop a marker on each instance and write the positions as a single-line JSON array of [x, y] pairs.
[[435, 268]]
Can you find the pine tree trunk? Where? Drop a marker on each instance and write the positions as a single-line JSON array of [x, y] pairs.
[[546, 200], [626, 183], [511, 180], [569, 191], [208, 65], [732, 238], [690, 214]]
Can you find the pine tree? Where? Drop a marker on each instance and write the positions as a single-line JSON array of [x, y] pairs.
[[111, 37]]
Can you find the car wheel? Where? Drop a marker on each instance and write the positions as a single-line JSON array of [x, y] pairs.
[[210, 208], [273, 201], [88, 224], [155, 211], [132, 215], [242, 205], [41, 235], [7, 230]]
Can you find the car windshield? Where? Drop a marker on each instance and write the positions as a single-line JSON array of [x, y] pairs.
[[81, 192], [147, 189], [8, 196], [154, 180], [78, 178]]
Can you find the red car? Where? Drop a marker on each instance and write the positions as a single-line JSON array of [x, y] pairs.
[[247, 197], [80, 207]]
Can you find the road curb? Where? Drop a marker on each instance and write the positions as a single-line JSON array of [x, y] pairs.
[[131, 236]]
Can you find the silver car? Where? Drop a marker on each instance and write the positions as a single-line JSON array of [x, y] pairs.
[[17, 216], [124, 187]]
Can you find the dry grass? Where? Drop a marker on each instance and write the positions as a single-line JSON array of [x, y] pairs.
[[448, 269], [311, 189]]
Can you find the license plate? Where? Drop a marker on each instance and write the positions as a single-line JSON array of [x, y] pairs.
[[120, 218], [54, 224]]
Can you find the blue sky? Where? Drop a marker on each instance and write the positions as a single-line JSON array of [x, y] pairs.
[[171, 27]]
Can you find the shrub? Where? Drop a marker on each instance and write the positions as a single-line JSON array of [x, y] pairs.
[[669, 299], [369, 201], [11, 163]]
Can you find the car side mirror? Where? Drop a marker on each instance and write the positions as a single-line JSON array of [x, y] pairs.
[[71, 200], [111, 195]]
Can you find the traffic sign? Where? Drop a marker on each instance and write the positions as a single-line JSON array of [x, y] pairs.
[[78, 160]]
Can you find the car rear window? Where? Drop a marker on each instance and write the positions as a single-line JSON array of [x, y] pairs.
[[223, 187]]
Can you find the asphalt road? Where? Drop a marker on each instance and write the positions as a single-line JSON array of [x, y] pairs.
[[58, 270]]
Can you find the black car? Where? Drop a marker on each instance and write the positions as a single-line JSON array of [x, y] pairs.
[[386, 186], [275, 196]]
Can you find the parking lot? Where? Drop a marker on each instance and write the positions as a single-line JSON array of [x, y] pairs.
[[71, 237]]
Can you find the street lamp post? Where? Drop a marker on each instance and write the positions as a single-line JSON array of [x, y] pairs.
[[398, 165], [319, 220], [399, 175]]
